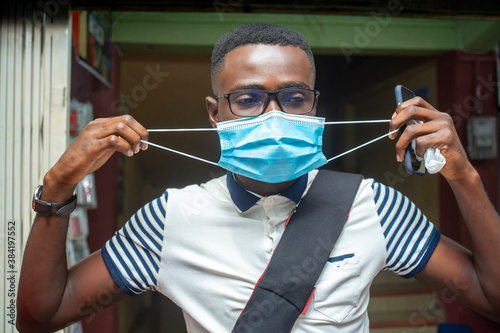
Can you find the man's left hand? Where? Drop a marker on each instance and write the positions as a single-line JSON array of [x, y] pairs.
[[434, 129]]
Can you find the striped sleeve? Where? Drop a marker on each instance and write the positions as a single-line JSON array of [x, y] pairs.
[[410, 238], [132, 255]]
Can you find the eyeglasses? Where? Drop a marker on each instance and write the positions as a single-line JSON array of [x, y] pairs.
[[252, 102]]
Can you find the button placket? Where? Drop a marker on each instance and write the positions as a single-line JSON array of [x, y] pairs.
[[271, 216], [266, 218]]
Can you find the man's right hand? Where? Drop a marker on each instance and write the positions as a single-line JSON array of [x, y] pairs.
[[51, 296], [93, 147]]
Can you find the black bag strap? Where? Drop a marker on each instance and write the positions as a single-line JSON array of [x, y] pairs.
[[286, 285]]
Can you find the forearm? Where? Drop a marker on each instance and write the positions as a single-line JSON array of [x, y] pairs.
[[44, 269], [483, 224], [50, 296]]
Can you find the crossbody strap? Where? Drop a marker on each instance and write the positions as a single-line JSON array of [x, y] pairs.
[[286, 285]]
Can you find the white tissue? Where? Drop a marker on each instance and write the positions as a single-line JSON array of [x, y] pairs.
[[433, 159]]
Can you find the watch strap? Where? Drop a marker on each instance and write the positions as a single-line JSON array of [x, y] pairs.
[[51, 208]]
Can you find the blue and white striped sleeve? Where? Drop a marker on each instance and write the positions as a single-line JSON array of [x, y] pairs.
[[410, 238], [132, 255]]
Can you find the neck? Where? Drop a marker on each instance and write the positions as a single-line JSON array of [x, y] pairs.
[[262, 188]]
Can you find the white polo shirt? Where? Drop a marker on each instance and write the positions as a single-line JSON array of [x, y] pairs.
[[205, 247]]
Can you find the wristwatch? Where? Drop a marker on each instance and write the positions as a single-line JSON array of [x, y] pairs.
[[50, 208]]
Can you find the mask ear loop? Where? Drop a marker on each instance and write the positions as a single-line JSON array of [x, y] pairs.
[[179, 152], [360, 146], [349, 122], [180, 130]]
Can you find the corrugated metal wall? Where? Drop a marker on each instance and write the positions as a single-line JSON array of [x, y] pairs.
[[34, 102]]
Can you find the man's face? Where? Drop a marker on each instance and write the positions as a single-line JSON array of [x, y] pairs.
[[264, 67]]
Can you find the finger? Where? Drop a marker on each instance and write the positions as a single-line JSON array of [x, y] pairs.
[[405, 115], [419, 132], [416, 101], [444, 139], [412, 112], [107, 144], [127, 134], [138, 128], [419, 114], [133, 132], [124, 127], [112, 143], [416, 108], [432, 140]]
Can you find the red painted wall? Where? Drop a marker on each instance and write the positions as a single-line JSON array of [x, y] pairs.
[[459, 74], [102, 220]]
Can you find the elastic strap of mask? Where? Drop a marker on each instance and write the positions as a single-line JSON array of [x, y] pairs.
[[181, 129], [349, 122], [179, 152], [360, 146]]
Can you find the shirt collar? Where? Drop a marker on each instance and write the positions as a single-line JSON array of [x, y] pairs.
[[244, 199]]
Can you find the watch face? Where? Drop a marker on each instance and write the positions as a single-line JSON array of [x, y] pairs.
[[36, 195], [38, 192], [36, 203]]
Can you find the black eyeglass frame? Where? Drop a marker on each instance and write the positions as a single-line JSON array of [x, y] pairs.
[[269, 93]]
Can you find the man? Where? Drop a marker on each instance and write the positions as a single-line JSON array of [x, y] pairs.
[[206, 246]]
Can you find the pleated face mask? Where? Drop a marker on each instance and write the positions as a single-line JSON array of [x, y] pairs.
[[274, 147]]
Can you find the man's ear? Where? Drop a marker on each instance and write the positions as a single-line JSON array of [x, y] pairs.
[[213, 110]]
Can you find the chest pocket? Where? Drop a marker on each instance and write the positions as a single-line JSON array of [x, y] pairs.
[[338, 289]]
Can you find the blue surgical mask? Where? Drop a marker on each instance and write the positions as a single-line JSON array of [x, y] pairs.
[[272, 148]]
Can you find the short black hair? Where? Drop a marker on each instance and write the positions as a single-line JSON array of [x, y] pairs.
[[256, 33]]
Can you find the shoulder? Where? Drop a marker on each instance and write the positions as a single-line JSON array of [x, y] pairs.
[[386, 197]]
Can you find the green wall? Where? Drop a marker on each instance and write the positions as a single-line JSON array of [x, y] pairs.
[[381, 32]]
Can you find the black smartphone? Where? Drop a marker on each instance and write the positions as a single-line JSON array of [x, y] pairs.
[[412, 165]]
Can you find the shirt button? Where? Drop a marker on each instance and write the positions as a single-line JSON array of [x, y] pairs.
[[271, 228], [270, 201]]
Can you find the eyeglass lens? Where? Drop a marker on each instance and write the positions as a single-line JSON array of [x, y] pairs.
[[252, 102]]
